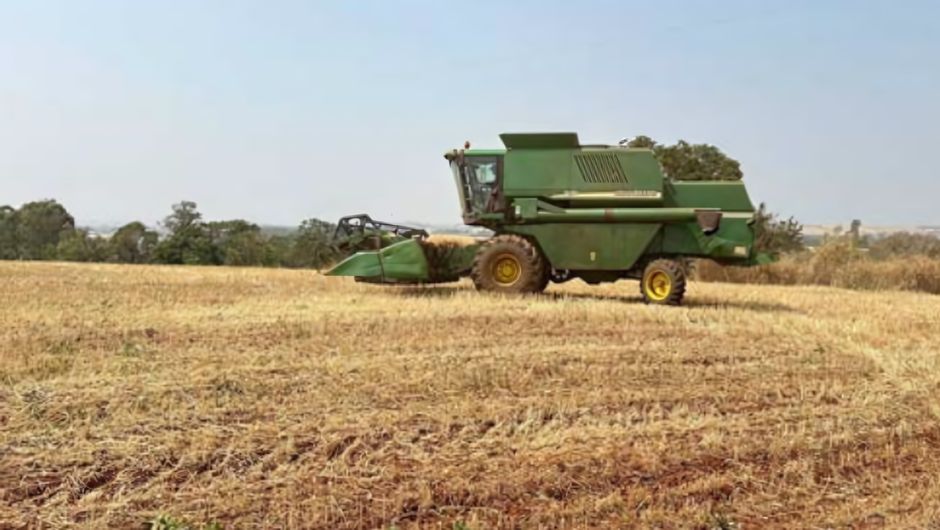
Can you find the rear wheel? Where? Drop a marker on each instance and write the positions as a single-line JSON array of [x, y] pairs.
[[509, 264], [663, 282]]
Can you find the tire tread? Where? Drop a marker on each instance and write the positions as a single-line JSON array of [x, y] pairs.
[[535, 270], [677, 273]]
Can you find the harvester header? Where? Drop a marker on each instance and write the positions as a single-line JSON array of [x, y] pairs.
[[562, 210]]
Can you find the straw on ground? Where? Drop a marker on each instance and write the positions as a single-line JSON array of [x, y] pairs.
[[278, 398]]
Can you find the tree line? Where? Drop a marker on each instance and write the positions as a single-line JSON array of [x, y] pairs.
[[45, 230]]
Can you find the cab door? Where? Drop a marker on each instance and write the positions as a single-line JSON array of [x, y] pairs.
[[483, 182]]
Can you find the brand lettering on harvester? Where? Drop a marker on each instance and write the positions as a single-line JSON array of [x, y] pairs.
[[638, 193], [629, 194]]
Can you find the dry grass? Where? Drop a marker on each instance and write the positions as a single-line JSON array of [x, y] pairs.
[[836, 267], [443, 252], [457, 240], [283, 399]]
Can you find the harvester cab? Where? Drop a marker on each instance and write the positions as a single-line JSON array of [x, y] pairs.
[[478, 183], [561, 210]]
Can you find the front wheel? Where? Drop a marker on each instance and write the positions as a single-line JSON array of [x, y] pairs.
[[663, 282], [509, 264]]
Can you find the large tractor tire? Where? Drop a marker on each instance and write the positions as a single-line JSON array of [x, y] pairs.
[[663, 282], [546, 279], [509, 264]]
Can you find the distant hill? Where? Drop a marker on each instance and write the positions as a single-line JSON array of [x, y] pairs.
[[870, 230], [277, 230], [460, 229]]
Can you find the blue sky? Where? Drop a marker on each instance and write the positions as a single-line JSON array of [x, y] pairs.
[[278, 111]]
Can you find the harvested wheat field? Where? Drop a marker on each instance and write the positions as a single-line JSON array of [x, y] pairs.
[[283, 399]]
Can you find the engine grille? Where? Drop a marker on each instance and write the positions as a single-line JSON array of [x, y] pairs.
[[600, 168]]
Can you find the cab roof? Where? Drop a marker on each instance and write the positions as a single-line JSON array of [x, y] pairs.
[[557, 140], [552, 140], [485, 152]]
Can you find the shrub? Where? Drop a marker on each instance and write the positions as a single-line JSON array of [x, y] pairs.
[[836, 263], [905, 244]]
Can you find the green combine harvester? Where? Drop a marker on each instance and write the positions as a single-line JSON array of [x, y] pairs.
[[560, 210]]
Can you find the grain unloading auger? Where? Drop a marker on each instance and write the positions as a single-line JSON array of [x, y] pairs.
[[560, 210]]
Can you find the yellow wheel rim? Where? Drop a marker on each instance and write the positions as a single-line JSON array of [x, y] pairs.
[[506, 269], [658, 285]]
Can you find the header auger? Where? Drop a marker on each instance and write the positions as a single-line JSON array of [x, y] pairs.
[[560, 210]]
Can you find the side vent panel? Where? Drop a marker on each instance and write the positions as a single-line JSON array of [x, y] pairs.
[[599, 168]]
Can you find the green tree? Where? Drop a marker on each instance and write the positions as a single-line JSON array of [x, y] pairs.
[[39, 227], [685, 161], [78, 245], [313, 245], [237, 242], [774, 235], [189, 241], [277, 251], [8, 246], [132, 243], [185, 215], [642, 141]]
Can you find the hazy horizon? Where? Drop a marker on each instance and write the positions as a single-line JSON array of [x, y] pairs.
[[279, 111]]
